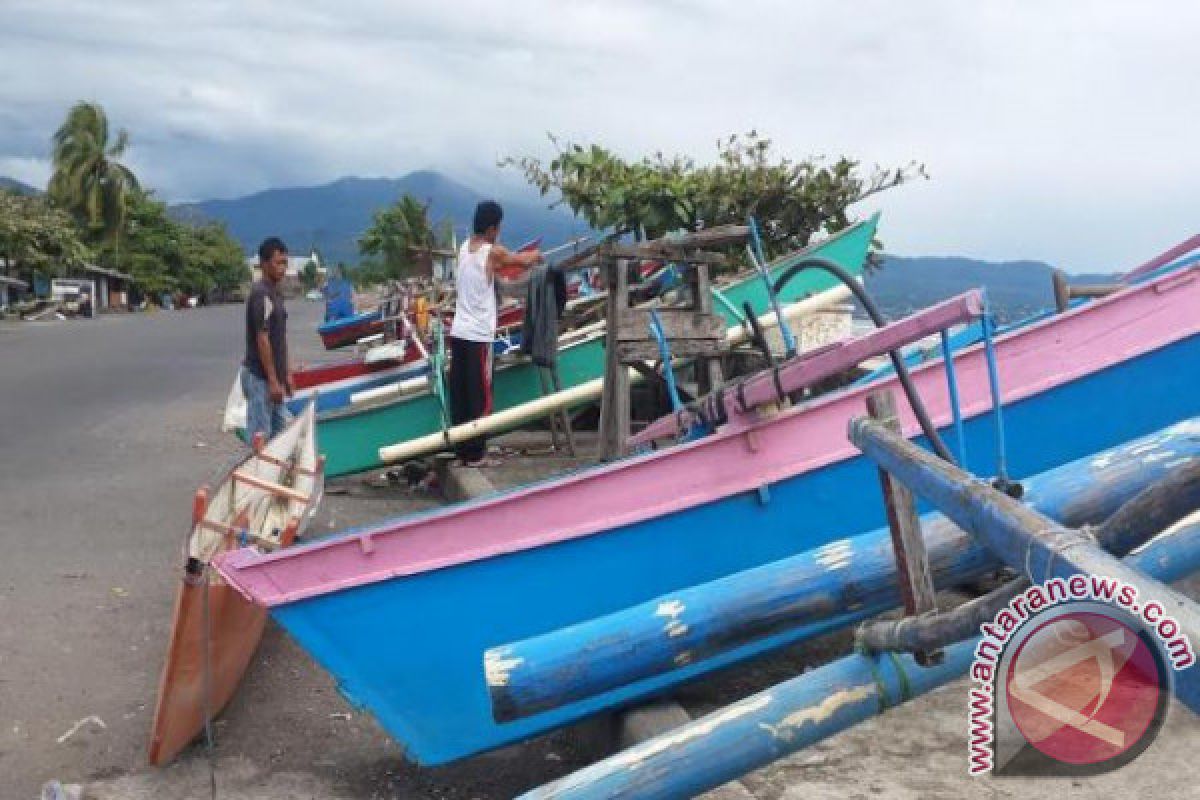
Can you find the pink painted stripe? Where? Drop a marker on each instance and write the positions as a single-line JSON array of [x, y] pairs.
[[1031, 360], [807, 369], [1181, 249]]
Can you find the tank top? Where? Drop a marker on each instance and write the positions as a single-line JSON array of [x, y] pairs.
[[475, 306]]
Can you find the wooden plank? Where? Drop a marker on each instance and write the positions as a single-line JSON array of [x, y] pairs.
[[284, 464], [633, 325], [912, 560], [270, 486], [628, 352]]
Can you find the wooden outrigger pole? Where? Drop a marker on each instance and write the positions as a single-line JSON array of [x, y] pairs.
[[828, 588], [800, 712], [1035, 546]]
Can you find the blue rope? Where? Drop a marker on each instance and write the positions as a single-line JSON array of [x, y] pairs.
[[760, 263]]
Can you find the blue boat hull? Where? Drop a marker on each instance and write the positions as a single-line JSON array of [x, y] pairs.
[[411, 649]]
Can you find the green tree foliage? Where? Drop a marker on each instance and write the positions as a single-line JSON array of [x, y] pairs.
[[89, 181], [164, 255], [35, 237], [308, 275], [790, 199], [394, 240]]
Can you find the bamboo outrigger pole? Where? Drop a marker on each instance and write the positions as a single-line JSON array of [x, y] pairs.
[[831, 587], [800, 712], [515, 417]]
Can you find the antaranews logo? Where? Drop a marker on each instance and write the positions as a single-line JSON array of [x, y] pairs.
[[1072, 678]]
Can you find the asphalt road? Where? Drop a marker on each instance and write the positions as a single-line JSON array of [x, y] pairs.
[[106, 429]]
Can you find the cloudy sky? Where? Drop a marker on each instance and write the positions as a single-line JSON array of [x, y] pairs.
[[1062, 130]]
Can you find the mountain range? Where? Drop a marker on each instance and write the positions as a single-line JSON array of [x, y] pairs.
[[1015, 289], [16, 187], [332, 217]]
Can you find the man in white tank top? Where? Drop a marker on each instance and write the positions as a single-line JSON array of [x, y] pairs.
[[474, 326]]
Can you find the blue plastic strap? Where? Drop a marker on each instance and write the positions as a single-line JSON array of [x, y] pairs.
[[955, 406], [664, 352]]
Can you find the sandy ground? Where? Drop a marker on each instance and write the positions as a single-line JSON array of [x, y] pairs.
[[107, 427]]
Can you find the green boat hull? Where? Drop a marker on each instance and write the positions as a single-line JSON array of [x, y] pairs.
[[350, 439]]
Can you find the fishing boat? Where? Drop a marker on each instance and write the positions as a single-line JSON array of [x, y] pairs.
[[401, 612], [264, 501], [344, 332], [335, 394], [315, 375], [351, 438], [348, 330]]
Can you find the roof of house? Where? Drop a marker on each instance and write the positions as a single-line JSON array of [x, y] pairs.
[[4, 279], [112, 273]]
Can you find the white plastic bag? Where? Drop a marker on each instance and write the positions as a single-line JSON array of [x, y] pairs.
[[235, 406]]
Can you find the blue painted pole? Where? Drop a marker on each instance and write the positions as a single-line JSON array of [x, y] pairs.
[[1025, 540], [795, 714], [955, 405], [664, 353], [807, 594], [989, 349], [760, 263]]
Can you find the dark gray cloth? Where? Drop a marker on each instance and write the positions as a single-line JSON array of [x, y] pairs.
[[265, 311], [544, 302]]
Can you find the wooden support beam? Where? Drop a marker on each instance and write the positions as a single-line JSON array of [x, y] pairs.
[[709, 368], [912, 560], [614, 406], [277, 489]]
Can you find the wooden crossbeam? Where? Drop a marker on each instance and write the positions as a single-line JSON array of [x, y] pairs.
[[235, 533], [630, 352], [270, 486], [284, 464], [633, 325]]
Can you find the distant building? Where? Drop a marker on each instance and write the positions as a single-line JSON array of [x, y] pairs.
[[112, 287], [291, 280], [11, 290]]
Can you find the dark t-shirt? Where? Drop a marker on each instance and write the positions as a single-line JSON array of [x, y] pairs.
[[265, 312]]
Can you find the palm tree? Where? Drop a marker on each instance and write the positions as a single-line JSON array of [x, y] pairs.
[[398, 234], [89, 180]]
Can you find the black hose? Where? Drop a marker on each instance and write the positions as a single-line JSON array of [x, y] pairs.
[[910, 391], [756, 333]]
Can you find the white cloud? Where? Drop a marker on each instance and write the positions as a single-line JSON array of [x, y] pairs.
[[1052, 130]]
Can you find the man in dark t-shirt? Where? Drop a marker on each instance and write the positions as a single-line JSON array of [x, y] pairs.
[[266, 377]]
